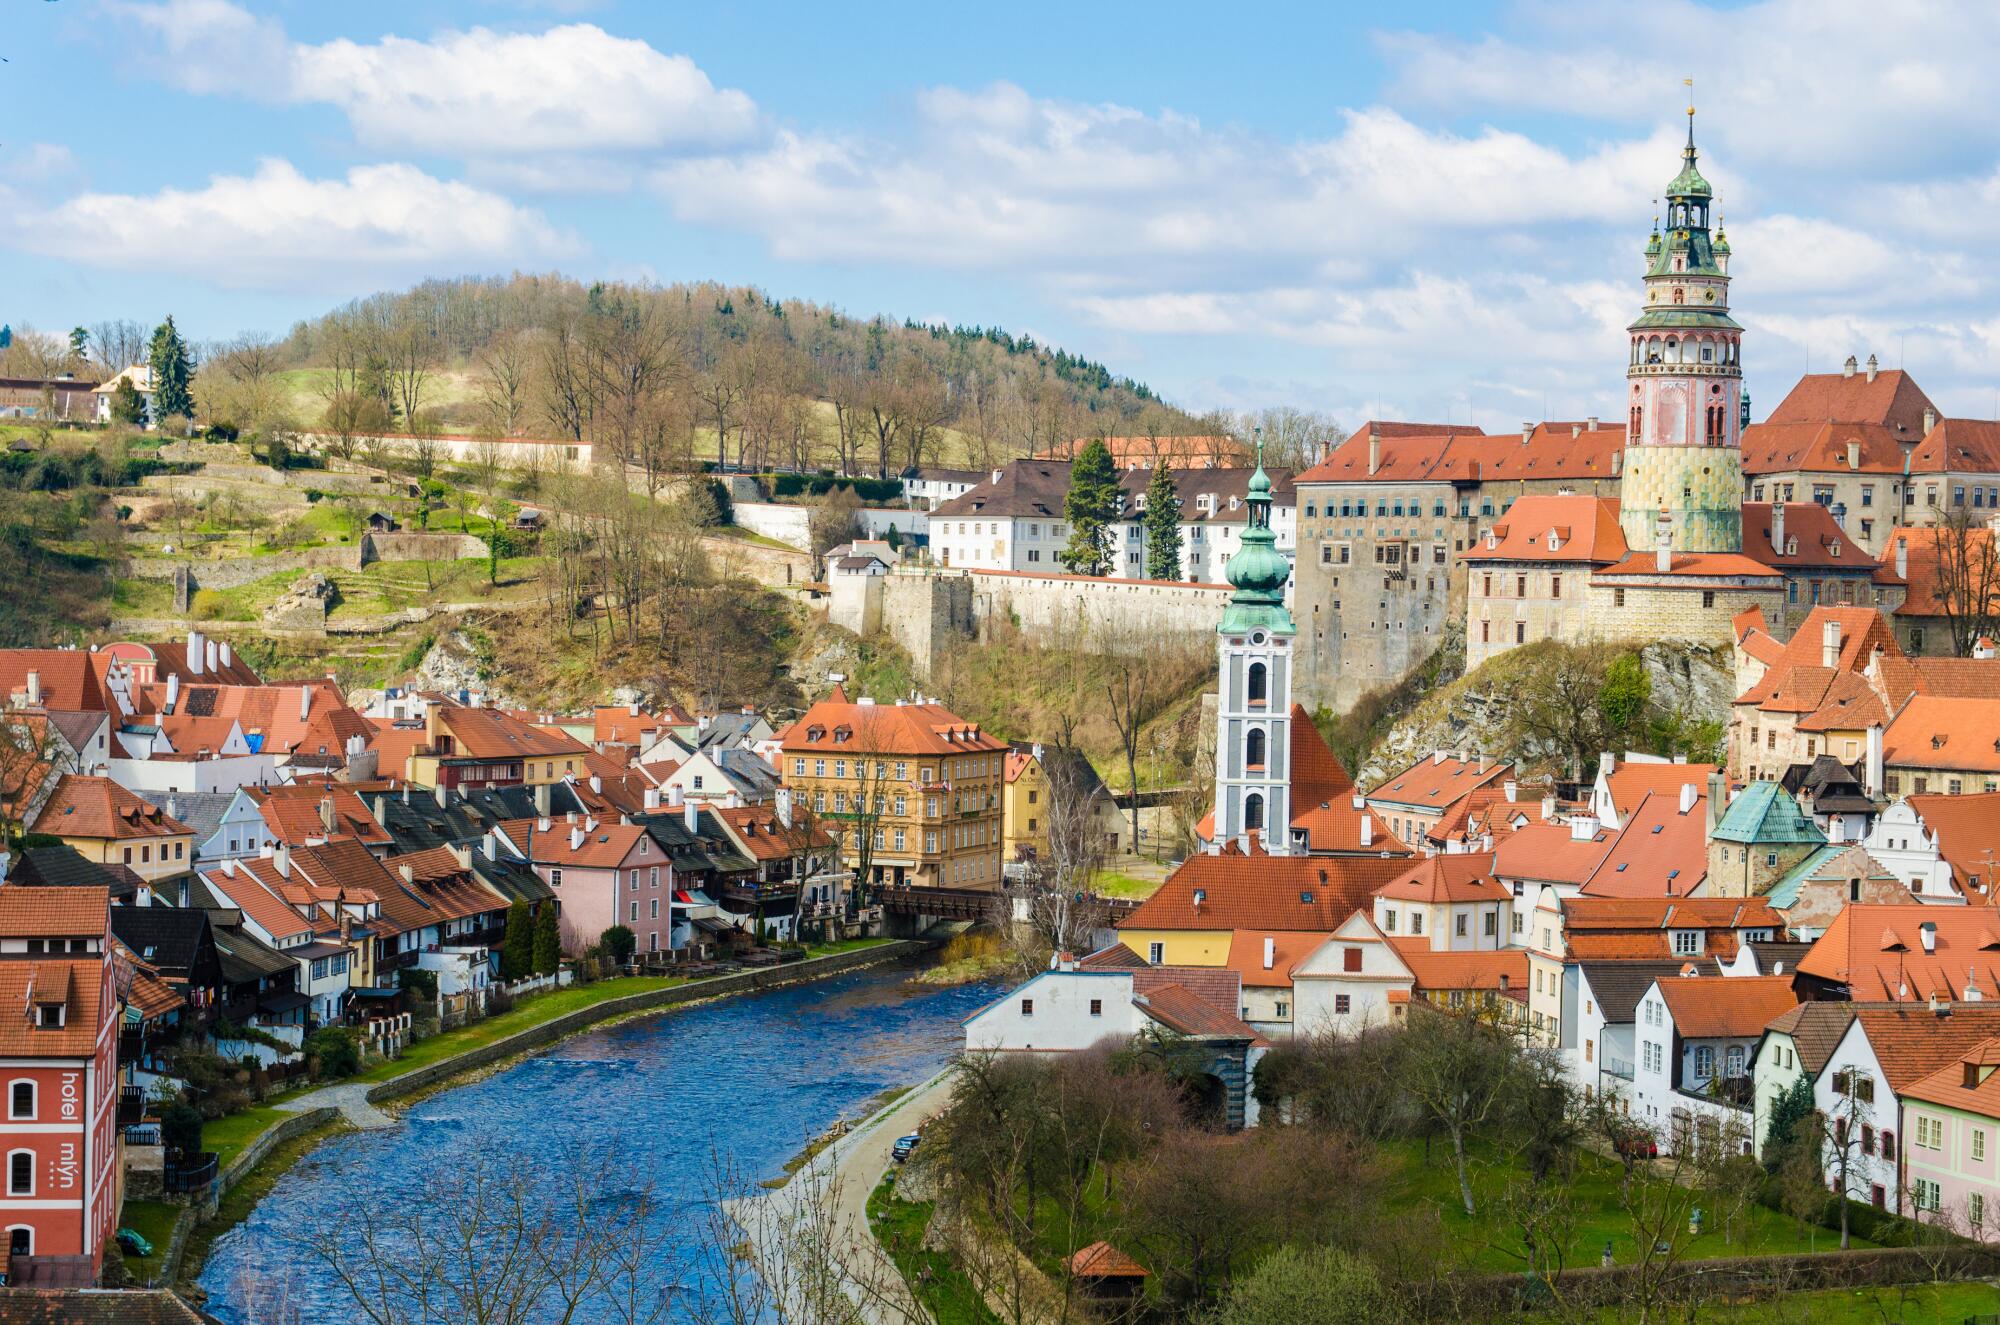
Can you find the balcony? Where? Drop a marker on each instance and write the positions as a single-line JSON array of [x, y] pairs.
[[1618, 1067], [131, 1105], [190, 1175], [1737, 1092]]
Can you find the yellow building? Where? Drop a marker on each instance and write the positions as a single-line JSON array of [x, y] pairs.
[[464, 747], [913, 791], [1024, 818], [109, 825]]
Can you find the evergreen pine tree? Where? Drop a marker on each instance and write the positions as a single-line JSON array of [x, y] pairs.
[[1163, 526], [1090, 508], [1793, 1106], [517, 950], [548, 941], [127, 405], [173, 371]]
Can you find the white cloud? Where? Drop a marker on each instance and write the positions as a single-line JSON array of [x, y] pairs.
[[278, 229], [569, 89]]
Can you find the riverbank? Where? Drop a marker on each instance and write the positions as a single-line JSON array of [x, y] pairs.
[[533, 1024]]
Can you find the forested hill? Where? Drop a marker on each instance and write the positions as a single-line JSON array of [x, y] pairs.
[[696, 372]]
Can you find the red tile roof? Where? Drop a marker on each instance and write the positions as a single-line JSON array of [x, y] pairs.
[[756, 829], [1813, 540], [1798, 681], [1710, 1007], [1947, 1086], [1911, 1041], [1553, 451], [68, 680], [76, 982], [1945, 733], [1631, 782], [1959, 446], [1968, 834], [599, 845], [1877, 952], [834, 725], [1101, 1260], [97, 807], [1246, 955], [1180, 1009], [491, 734], [1439, 780], [293, 814], [1692, 566], [1504, 970], [28, 912], [1661, 852], [1547, 853], [1821, 447], [1448, 878], [1554, 528], [1259, 891], [1892, 400]]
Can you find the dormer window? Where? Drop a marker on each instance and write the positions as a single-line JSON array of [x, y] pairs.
[[50, 1016]]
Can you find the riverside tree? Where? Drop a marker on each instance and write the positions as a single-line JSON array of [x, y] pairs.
[[517, 950], [548, 941], [1162, 521], [1090, 508], [173, 370]]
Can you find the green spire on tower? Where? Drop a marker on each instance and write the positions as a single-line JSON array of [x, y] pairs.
[[1258, 570]]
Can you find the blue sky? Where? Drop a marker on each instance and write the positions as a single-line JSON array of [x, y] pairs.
[[1431, 214]]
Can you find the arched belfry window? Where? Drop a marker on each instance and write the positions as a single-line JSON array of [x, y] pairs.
[[1253, 813], [1260, 684], [1253, 748]]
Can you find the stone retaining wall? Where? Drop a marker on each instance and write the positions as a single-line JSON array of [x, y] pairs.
[[170, 1263], [651, 1000], [280, 1132]]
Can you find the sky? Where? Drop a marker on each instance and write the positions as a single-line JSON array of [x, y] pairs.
[[1430, 212]]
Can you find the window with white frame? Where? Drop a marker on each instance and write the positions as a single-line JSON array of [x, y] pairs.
[[1687, 942]]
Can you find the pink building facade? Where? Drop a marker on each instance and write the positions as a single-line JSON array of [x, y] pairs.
[[605, 874], [1951, 1143]]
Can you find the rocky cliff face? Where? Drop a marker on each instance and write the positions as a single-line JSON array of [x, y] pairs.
[[1475, 713]]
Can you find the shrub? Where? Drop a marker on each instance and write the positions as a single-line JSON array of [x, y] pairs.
[[618, 943], [333, 1052], [208, 605], [221, 432], [422, 982], [313, 494], [180, 1128]]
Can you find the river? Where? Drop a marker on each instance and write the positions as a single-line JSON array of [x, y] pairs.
[[751, 1077]]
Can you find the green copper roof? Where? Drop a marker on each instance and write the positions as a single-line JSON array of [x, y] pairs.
[[1764, 815], [1689, 183], [1258, 569], [1687, 316], [1785, 892]]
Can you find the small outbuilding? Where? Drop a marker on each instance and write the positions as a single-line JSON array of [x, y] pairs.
[[1108, 1274]]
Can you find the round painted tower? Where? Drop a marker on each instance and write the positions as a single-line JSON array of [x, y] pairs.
[[1683, 433]]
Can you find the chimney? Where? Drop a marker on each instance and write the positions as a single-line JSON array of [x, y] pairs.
[[1663, 544], [1872, 367], [1582, 827], [1374, 448], [1367, 831], [222, 652], [675, 796], [691, 816], [194, 653], [442, 794], [651, 798], [1930, 419], [1510, 787], [1778, 527], [1927, 935], [1853, 453], [34, 689], [229, 866], [1829, 649], [542, 800], [173, 689], [1607, 763], [305, 703], [1270, 952], [782, 802], [326, 820], [1903, 558], [1718, 792], [492, 844], [409, 873], [1549, 808], [575, 836], [1872, 774], [544, 824], [1689, 793], [597, 784], [996, 475], [1590, 423], [208, 659], [1847, 369], [281, 860], [632, 710]]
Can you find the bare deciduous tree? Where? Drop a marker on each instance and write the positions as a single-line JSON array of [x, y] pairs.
[[1968, 579]]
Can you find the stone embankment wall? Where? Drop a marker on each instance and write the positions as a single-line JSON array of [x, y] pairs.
[[788, 524]]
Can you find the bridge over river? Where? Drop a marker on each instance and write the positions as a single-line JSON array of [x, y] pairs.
[[752, 1078]]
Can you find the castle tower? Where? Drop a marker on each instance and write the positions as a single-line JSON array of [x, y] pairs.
[[1253, 737], [1684, 424]]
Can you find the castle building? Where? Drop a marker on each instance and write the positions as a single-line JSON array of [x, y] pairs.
[[1682, 446]]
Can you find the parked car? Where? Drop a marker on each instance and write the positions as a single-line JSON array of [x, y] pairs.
[[905, 1146], [132, 1244], [1637, 1142]]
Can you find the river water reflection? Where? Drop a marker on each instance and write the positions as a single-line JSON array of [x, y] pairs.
[[750, 1077]]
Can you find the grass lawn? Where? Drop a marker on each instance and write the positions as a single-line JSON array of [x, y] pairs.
[[228, 1136], [842, 945], [1487, 1242], [939, 1285], [153, 1221], [531, 1011], [1909, 1304], [1111, 883]]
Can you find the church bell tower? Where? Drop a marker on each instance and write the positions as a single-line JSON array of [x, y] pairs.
[[1683, 427], [1254, 715]]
